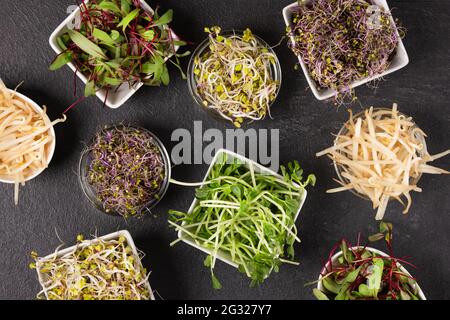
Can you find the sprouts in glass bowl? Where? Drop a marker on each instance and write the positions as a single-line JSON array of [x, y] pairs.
[[125, 170], [235, 74]]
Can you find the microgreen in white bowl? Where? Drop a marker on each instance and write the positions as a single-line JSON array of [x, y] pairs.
[[244, 214], [105, 268]]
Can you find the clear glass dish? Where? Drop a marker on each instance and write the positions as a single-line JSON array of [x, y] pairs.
[[275, 72], [90, 192], [343, 131]]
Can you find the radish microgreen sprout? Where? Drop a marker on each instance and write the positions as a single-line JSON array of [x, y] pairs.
[[95, 270], [247, 216], [340, 43], [234, 76], [126, 169]]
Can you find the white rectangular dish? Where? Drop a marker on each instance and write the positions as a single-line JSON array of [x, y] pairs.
[[111, 236], [115, 98], [400, 60], [258, 168]]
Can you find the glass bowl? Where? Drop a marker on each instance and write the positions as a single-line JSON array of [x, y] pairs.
[[90, 192], [275, 72], [338, 167]]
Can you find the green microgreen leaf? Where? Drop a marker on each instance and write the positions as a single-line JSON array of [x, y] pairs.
[[86, 45], [130, 17], [61, 60], [103, 37], [164, 19]]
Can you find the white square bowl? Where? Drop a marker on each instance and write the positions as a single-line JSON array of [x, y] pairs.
[[400, 60], [258, 168], [115, 98], [111, 236], [335, 257]]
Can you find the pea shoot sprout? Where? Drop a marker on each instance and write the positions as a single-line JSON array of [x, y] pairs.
[[95, 270], [235, 76], [247, 216]]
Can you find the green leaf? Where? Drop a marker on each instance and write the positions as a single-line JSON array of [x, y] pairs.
[[208, 261], [215, 282], [331, 285], [115, 35], [319, 294], [109, 6], [148, 35], [112, 81], [374, 279], [125, 6], [164, 19], [165, 78], [129, 17], [364, 290], [61, 43], [352, 275], [343, 292], [87, 45], [376, 237], [89, 90], [61, 60], [103, 37]]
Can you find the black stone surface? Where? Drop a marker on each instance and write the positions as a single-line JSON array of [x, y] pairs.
[[54, 202]]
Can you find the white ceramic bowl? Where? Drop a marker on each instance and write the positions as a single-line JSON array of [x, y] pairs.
[[335, 258], [50, 148], [258, 168], [111, 236], [115, 98], [399, 61]]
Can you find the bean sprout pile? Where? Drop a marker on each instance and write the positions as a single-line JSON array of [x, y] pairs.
[[25, 139], [235, 76], [343, 41], [96, 270], [381, 155], [126, 169]]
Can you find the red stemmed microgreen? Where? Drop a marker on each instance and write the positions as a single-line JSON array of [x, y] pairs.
[[360, 273], [119, 42]]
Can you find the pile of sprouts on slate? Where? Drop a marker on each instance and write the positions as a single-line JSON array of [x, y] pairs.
[[95, 270], [343, 41], [247, 216], [235, 76], [126, 169], [361, 274], [118, 41]]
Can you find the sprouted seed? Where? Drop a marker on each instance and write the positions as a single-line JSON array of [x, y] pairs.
[[95, 270], [343, 41], [25, 139], [246, 216], [381, 156], [126, 169], [234, 77]]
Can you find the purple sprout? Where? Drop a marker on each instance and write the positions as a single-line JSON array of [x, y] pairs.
[[126, 169], [342, 41]]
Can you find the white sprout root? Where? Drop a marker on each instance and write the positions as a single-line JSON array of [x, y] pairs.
[[24, 139], [96, 270], [381, 156]]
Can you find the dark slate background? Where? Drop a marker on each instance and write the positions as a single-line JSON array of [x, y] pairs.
[[54, 202]]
